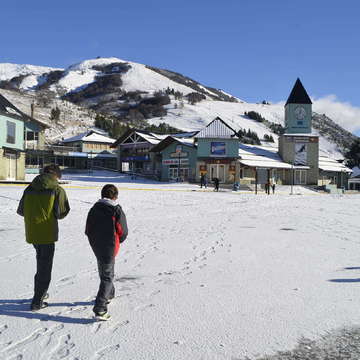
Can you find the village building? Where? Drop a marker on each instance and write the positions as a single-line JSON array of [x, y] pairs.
[[135, 155], [18, 132], [217, 152], [86, 150], [133, 151], [354, 180], [175, 159]]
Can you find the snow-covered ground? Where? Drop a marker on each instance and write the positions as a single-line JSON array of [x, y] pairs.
[[202, 275]]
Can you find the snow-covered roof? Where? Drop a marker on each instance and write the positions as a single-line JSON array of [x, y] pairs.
[[170, 140], [261, 156], [302, 135], [90, 136], [217, 129], [186, 141], [329, 164], [150, 137]]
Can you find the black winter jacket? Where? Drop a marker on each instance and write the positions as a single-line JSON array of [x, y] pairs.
[[106, 228]]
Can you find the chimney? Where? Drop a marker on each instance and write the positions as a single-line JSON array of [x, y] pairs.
[[32, 106]]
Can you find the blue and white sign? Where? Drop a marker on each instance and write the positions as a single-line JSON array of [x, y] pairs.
[[218, 148], [136, 158]]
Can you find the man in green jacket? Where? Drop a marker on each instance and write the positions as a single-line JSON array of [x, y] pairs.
[[42, 204]]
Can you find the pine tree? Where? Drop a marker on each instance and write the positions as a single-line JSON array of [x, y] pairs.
[[55, 114], [353, 155]]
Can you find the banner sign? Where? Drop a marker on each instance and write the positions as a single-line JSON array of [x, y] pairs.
[[175, 161], [300, 154], [218, 148], [302, 139]]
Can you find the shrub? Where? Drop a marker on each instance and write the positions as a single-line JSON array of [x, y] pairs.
[[254, 116], [195, 97], [55, 114]]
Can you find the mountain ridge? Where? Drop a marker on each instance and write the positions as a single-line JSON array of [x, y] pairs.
[[139, 95]]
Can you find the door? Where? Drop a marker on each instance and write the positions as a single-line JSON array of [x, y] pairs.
[[11, 160], [217, 171], [300, 177]]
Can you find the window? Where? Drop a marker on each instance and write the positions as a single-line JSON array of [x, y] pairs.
[[11, 131], [32, 135]]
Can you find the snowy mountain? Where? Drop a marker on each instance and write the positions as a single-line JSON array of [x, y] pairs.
[[139, 95]]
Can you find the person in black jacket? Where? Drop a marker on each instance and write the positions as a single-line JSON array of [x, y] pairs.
[[106, 228], [216, 184]]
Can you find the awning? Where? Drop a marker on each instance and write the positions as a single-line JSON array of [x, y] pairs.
[[265, 164], [335, 168]]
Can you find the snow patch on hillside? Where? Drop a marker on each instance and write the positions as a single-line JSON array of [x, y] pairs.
[[139, 77], [9, 71]]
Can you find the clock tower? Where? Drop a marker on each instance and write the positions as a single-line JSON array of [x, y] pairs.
[[298, 111], [298, 146]]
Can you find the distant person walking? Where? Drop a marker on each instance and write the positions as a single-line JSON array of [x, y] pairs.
[[216, 184], [203, 181], [267, 188], [43, 203], [106, 228], [273, 188]]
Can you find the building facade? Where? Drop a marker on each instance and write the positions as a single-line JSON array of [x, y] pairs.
[[18, 132], [217, 152], [175, 159]]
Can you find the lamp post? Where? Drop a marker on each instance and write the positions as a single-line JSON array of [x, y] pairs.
[[292, 177]]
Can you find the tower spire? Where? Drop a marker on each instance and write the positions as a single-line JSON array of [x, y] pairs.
[[298, 94]]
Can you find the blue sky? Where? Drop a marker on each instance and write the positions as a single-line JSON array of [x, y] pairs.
[[254, 50]]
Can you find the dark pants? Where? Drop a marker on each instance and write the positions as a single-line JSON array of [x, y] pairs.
[[106, 289], [44, 262]]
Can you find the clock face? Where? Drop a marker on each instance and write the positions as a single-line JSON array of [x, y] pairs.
[[300, 113]]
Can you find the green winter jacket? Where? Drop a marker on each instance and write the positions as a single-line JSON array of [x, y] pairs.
[[42, 204]]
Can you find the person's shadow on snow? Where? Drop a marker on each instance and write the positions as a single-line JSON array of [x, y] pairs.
[[356, 280], [21, 308]]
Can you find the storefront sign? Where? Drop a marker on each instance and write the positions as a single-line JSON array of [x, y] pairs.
[[175, 161], [179, 154], [302, 139], [218, 148], [218, 161], [314, 139]]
